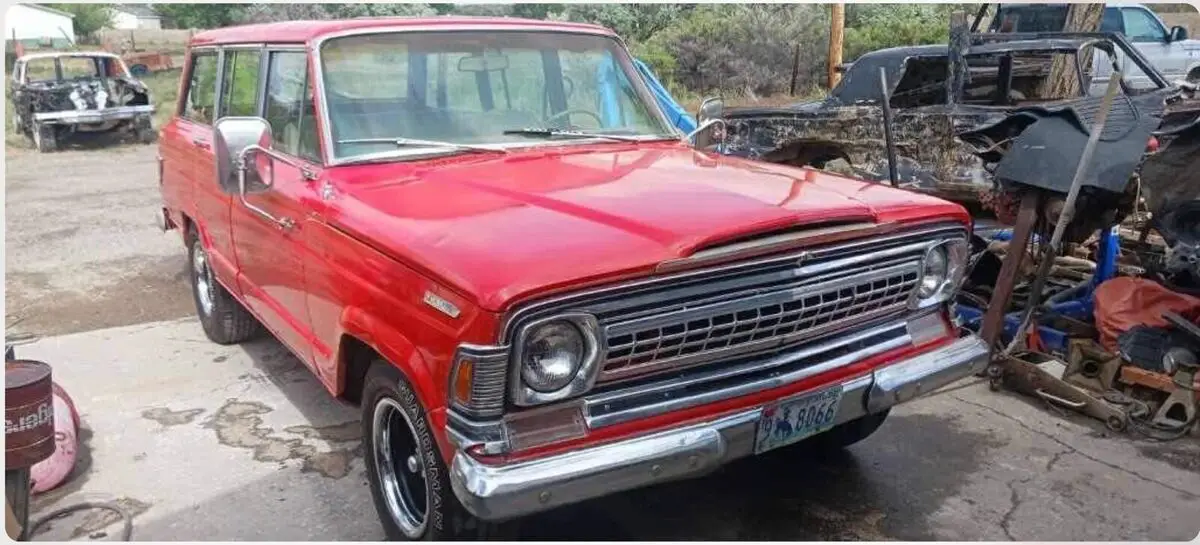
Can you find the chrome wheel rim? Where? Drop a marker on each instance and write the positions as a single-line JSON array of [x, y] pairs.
[[204, 280], [399, 468]]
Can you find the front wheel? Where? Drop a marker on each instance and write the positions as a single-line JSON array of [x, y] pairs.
[[224, 319], [410, 484], [45, 137]]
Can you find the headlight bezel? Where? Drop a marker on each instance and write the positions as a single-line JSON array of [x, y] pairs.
[[522, 394], [956, 252]]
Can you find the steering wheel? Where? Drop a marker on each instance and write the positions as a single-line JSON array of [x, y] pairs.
[[569, 111]]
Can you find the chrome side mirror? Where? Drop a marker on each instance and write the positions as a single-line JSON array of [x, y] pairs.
[[710, 108], [1177, 34], [235, 140], [710, 133]]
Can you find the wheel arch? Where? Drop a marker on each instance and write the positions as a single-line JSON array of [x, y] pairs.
[[364, 339]]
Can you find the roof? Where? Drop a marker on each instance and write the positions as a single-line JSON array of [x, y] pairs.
[[143, 11], [305, 31], [49, 10], [33, 56]]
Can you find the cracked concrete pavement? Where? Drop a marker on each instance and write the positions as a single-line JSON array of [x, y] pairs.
[[206, 442]]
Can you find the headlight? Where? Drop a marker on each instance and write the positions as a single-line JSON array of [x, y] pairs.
[[556, 358], [551, 356], [933, 275], [941, 273]]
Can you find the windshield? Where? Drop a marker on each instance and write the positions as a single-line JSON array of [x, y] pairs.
[[72, 67], [479, 88]]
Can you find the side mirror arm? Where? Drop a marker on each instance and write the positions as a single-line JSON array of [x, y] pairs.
[[243, 166]]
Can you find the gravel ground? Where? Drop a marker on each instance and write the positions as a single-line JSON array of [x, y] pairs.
[[251, 447]]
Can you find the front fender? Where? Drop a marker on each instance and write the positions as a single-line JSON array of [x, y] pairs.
[[393, 346]]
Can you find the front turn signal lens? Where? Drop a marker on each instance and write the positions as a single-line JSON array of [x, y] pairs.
[[463, 373]]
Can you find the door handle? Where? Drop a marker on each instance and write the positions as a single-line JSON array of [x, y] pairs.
[[201, 143]]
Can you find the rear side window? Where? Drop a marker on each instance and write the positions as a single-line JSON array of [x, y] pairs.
[[239, 93], [199, 103], [289, 105]]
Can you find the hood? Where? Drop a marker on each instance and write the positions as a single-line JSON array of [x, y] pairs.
[[502, 229]]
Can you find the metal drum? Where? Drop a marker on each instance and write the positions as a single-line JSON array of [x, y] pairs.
[[28, 429]]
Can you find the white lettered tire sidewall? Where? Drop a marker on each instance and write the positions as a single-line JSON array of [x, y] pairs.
[[446, 518]]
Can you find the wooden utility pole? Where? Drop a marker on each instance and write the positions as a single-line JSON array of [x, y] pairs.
[[837, 25], [1062, 81], [956, 59]]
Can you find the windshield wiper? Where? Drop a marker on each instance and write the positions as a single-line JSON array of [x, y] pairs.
[[546, 132], [418, 142]]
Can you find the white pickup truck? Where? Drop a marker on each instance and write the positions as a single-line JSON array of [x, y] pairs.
[[1169, 50]]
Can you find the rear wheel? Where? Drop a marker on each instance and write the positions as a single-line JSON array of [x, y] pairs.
[[224, 319], [410, 484], [1194, 76]]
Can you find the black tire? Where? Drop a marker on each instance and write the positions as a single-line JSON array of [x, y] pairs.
[[143, 131], [390, 405], [45, 138], [1194, 76], [849, 433], [224, 319]]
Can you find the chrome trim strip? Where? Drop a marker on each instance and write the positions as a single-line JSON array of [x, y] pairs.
[[95, 116], [501, 492], [595, 421]]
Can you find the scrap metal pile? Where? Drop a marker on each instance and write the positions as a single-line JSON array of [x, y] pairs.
[[1098, 314]]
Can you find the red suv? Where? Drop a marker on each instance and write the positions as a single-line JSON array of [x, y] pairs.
[[486, 234]]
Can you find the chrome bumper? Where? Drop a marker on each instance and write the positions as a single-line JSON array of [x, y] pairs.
[[94, 116], [510, 491]]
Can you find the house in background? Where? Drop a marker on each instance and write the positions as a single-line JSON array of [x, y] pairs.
[[31, 25], [135, 16]]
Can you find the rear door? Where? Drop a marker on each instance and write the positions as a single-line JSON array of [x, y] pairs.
[[195, 134], [272, 257]]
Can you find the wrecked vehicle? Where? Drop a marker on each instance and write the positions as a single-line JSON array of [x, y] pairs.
[[954, 144], [486, 234], [56, 95]]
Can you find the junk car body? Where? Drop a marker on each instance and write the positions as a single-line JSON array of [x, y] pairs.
[[957, 147], [59, 94]]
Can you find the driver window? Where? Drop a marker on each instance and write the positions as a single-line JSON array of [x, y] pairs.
[[289, 105], [1140, 26]]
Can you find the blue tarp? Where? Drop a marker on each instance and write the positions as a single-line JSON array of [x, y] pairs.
[[674, 111]]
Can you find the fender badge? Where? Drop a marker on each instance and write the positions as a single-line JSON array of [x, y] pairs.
[[442, 305]]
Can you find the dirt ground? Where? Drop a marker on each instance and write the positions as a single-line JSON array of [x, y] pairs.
[[204, 442]]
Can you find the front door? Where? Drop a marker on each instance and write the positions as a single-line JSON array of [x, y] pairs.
[[272, 256]]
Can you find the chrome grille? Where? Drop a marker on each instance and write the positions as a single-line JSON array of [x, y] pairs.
[[812, 307]]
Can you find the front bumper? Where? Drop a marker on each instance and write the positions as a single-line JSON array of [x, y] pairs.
[[510, 491], [72, 117]]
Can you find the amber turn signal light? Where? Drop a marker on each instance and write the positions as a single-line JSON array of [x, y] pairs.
[[462, 381]]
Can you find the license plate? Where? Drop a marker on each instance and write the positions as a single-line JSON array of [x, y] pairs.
[[791, 420]]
